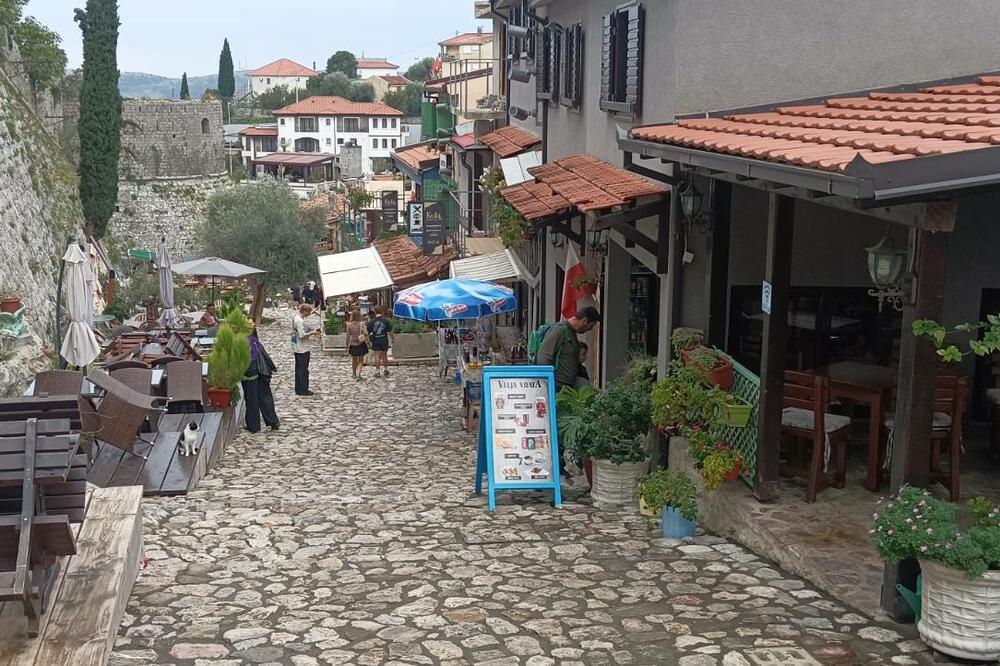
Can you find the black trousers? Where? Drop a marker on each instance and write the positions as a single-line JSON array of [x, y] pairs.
[[301, 373], [259, 402]]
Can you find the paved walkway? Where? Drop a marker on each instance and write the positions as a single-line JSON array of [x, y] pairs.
[[352, 536]]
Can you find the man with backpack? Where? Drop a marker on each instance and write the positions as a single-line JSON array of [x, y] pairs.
[[560, 348]]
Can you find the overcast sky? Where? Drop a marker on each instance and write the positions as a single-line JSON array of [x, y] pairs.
[[168, 37]]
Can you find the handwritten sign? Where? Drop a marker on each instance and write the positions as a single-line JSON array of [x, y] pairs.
[[518, 440]]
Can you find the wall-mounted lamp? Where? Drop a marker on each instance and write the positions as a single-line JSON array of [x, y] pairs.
[[556, 239], [691, 204], [597, 243], [521, 113], [517, 31], [886, 265]]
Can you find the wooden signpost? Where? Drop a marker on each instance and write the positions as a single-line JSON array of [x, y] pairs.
[[518, 439]]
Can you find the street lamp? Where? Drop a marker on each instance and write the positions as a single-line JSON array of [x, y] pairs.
[[886, 264], [596, 242]]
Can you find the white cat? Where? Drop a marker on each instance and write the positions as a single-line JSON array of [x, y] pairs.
[[189, 439]]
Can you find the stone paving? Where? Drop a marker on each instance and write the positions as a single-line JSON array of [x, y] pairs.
[[352, 536]]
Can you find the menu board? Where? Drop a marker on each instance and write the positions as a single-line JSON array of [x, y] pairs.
[[518, 441]]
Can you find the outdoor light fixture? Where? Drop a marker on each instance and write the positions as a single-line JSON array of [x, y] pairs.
[[522, 114], [691, 201], [596, 242], [556, 239], [517, 31], [886, 264], [520, 75]]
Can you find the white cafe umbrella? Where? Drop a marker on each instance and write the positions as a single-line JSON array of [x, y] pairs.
[[168, 317], [80, 346], [214, 267]]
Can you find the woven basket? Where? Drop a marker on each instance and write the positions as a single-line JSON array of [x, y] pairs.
[[616, 485], [960, 616]]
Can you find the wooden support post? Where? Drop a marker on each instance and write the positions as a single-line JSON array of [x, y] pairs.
[[671, 297], [717, 287], [780, 226], [911, 451]]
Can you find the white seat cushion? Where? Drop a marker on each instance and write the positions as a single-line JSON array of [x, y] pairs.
[[993, 395], [804, 419], [942, 421]]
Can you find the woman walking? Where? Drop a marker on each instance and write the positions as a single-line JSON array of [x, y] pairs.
[[357, 343], [257, 386]]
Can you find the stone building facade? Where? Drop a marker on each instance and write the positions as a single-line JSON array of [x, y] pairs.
[[173, 159]]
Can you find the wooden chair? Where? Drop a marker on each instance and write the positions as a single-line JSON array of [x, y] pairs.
[[121, 412], [58, 382], [42, 408], [33, 455], [126, 346], [993, 400], [185, 387], [805, 417], [950, 394]]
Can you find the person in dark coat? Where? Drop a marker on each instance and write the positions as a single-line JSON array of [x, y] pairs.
[[257, 387]]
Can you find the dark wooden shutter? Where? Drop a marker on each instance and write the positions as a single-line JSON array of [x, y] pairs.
[[577, 74], [607, 60], [541, 56], [554, 50], [633, 78]]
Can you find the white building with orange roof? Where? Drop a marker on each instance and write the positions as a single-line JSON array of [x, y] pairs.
[[282, 72], [369, 67]]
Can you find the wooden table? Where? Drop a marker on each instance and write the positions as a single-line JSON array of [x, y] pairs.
[[862, 382]]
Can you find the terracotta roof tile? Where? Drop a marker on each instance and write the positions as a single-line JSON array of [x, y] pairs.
[[468, 38], [394, 79], [321, 105], [416, 156], [879, 127], [579, 181], [509, 141], [259, 131], [407, 265], [284, 67], [375, 63]]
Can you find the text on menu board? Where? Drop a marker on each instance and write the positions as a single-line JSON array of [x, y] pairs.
[[521, 430]]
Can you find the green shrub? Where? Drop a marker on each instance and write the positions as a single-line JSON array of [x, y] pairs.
[[410, 326], [229, 359], [670, 488], [332, 324]]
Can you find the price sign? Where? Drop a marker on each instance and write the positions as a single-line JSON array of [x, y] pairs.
[[518, 440]]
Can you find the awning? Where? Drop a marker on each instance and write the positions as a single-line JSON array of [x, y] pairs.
[[497, 267], [353, 272], [295, 159]]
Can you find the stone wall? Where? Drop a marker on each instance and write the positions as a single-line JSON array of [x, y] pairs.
[[39, 208]]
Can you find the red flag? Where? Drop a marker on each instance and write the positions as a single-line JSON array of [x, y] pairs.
[[571, 294]]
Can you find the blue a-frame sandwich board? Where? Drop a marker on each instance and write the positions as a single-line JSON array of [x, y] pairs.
[[484, 457]]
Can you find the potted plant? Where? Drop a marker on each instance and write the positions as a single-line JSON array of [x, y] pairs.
[[413, 339], [715, 366], [723, 463], [683, 399], [10, 302], [736, 411], [958, 548], [333, 331], [572, 405], [683, 339], [673, 493], [586, 284], [227, 363]]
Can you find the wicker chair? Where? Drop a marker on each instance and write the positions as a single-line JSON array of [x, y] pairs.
[[164, 360], [185, 387], [178, 345], [121, 412], [129, 363], [138, 379], [58, 382]]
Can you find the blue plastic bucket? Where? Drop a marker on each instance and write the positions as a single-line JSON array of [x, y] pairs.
[[674, 525]]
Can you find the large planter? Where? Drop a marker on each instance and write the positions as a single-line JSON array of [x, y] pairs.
[[220, 397], [737, 415], [616, 485], [415, 345], [960, 616], [336, 342], [673, 525], [10, 304], [721, 376]]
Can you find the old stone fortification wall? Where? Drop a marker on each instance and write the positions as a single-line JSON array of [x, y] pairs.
[[39, 208], [172, 161]]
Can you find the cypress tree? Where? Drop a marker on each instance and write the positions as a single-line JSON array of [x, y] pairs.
[[100, 113], [227, 80], [185, 93]]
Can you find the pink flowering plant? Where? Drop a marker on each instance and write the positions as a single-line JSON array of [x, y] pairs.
[[914, 523]]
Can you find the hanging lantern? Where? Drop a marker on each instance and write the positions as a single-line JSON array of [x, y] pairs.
[[690, 201], [886, 265]]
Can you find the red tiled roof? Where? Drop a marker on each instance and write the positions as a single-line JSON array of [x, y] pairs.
[[579, 181], [882, 127], [336, 206], [407, 265], [394, 79], [509, 141], [336, 106], [284, 67], [259, 131], [416, 155], [375, 63], [464, 140], [468, 38]]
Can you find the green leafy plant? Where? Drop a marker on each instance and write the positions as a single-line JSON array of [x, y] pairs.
[[509, 225], [986, 338], [914, 523], [670, 488], [585, 280], [685, 338], [572, 405], [332, 324], [706, 359], [640, 372], [404, 326], [719, 465], [237, 320], [682, 398], [229, 359], [617, 422], [233, 302]]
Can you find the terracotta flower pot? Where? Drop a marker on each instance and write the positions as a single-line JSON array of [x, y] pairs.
[[10, 305], [722, 376], [220, 397], [733, 474], [588, 288]]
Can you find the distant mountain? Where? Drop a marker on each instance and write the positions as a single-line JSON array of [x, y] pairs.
[[138, 84]]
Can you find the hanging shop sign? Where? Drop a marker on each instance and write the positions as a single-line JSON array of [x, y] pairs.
[[416, 217], [433, 226], [518, 441], [390, 209]]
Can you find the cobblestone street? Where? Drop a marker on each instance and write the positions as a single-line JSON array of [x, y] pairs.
[[352, 536]]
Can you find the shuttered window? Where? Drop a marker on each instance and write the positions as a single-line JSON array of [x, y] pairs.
[[518, 46], [570, 80], [621, 60], [548, 58]]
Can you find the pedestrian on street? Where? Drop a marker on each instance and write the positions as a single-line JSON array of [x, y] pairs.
[[357, 343], [379, 332], [582, 375], [561, 348], [257, 386], [301, 351], [296, 292]]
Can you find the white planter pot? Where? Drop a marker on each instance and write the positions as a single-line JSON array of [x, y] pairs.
[[960, 616], [335, 342], [616, 485]]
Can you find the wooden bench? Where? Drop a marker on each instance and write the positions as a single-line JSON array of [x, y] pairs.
[[42, 408], [33, 456]]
